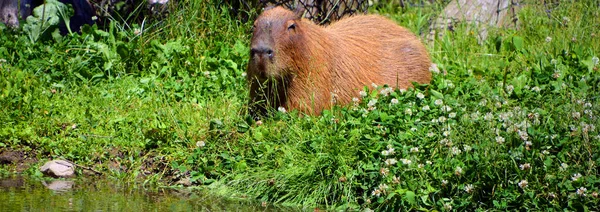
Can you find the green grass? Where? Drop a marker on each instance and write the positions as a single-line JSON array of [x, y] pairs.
[[506, 124]]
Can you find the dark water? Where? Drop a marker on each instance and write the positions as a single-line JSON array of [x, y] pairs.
[[21, 194]]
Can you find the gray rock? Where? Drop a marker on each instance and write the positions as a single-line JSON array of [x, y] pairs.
[[58, 168]]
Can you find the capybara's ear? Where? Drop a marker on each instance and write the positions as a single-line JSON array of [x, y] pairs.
[[299, 11]]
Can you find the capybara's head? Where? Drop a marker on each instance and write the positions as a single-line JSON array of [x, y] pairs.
[[275, 33]]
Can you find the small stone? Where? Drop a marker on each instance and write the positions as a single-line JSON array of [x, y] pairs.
[[58, 168]]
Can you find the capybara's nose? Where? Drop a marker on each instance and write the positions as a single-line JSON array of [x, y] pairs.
[[262, 52]]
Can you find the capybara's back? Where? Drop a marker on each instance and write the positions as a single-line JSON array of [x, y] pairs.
[[296, 64], [373, 49]]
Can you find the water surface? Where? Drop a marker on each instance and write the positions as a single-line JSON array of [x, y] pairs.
[[22, 194]]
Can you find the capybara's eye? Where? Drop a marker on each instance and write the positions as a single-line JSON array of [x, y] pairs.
[[270, 53], [292, 26]]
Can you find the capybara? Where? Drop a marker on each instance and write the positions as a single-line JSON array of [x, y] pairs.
[[296, 64]]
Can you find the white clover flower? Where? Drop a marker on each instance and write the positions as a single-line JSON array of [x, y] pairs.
[[384, 171], [372, 103], [430, 134], [467, 148], [438, 102], [425, 108], [446, 133], [500, 139], [576, 115], [446, 108], [405, 161], [408, 111], [498, 104], [581, 191], [376, 193], [421, 166], [563, 166], [434, 68], [355, 99], [488, 116], [525, 166], [548, 39], [389, 90], [444, 182], [510, 89], [244, 74], [556, 74], [446, 142], [362, 93], [452, 115], [483, 102], [458, 171], [402, 90], [206, 74], [281, 109], [383, 187], [395, 180], [524, 136], [447, 206], [442, 119], [394, 101], [455, 150], [475, 115], [200, 144], [374, 85], [414, 149], [523, 183], [469, 188], [573, 128], [576, 177], [385, 153], [390, 148], [390, 161], [420, 96], [589, 113], [386, 91]]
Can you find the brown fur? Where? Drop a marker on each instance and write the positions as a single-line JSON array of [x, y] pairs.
[[307, 62]]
